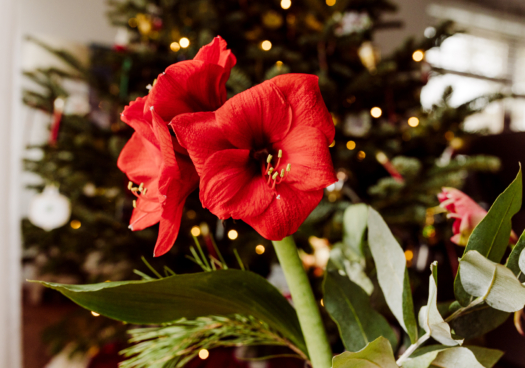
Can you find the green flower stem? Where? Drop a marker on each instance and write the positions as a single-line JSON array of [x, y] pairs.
[[304, 301]]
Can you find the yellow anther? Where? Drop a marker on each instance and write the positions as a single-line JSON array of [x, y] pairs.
[[144, 191], [280, 154], [269, 159], [134, 203], [270, 170], [134, 189], [130, 185], [141, 187], [275, 175], [282, 173], [288, 167]]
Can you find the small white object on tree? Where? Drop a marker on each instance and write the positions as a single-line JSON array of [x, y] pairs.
[[50, 209]]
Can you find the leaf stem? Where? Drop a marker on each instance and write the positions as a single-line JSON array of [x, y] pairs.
[[304, 301], [412, 348], [472, 304]]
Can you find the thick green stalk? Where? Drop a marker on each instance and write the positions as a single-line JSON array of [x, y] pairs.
[[304, 301]]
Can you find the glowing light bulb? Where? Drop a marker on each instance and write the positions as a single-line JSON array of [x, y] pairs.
[[350, 145], [413, 122], [409, 255], [418, 55], [361, 155], [204, 354], [95, 314], [260, 249], [376, 112], [332, 144], [330, 2], [174, 46], [285, 4], [322, 302], [266, 45], [75, 224], [184, 42], [195, 231], [233, 234]]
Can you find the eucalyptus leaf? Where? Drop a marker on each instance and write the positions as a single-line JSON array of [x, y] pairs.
[[478, 321], [376, 354], [392, 273], [218, 293], [349, 306], [464, 357], [351, 265], [516, 259], [354, 227], [493, 282], [491, 236], [431, 320]]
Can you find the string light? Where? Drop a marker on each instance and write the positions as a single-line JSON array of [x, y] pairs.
[[260, 249], [75, 224], [350, 145], [184, 42], [204, 354], [174, 46], [376, 112], [266, 45], [95, 314], [285, 4], [195, 231], [233, 234], [413, 122], [191, 214], [330, 2], [132, 22], [279, 63], [409, 255], [332, 144], [361, 155], [322, 302], [418, 55]]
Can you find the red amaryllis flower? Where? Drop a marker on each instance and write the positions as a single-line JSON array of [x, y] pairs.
[[263, 156], [155, 160], [467, 214]]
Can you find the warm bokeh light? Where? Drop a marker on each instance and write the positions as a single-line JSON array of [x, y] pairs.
[[95, 314], [195, 231], [350, 145], [184, 42], [381, 158], [285, 4], [332, 144], [330, 2], [279, 63], [322, 302], [266, 45], [132, 22], [260, 249], [175, 46], [361, 155], [409, 255], [376, 112], [418, 55], [75, 224], [204, 354], [233, 234], [413, 122], [191, 214]]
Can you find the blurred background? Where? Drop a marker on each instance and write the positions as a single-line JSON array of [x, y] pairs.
[[423, 94]]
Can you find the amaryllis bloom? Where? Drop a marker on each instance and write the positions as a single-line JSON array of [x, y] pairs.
[[263, 157], [152, 159], [467, 214]]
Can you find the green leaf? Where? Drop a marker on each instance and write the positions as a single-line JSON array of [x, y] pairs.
[[351, 265], [376, 354], [493, 282], [431, 320], [392, 273], [478, 321], [354, 226], [517, 258], [349, 306], [464, 357], [218, 293], [491, 236]]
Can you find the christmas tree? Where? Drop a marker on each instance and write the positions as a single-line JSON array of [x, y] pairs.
[[388, 151]]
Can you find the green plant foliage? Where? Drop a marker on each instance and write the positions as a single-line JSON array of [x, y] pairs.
[[354, 227], [176, 344], [431, 320], [378, 353], [494, 283], [392, 272], [491, 236], [464, 357], [478, 321], [349, 306], [219, 293]]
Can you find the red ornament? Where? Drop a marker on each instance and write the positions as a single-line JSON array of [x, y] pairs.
[[152, 157], [263, 157]]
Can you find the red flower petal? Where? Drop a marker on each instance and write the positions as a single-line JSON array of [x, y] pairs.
[[146, 214], [255, 118], [187, 86], [140, 160], [286, 212], [232, 185], [304, 96], [201, 135], [311, 164], [216, 53], [133, 115], [169, 227]]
